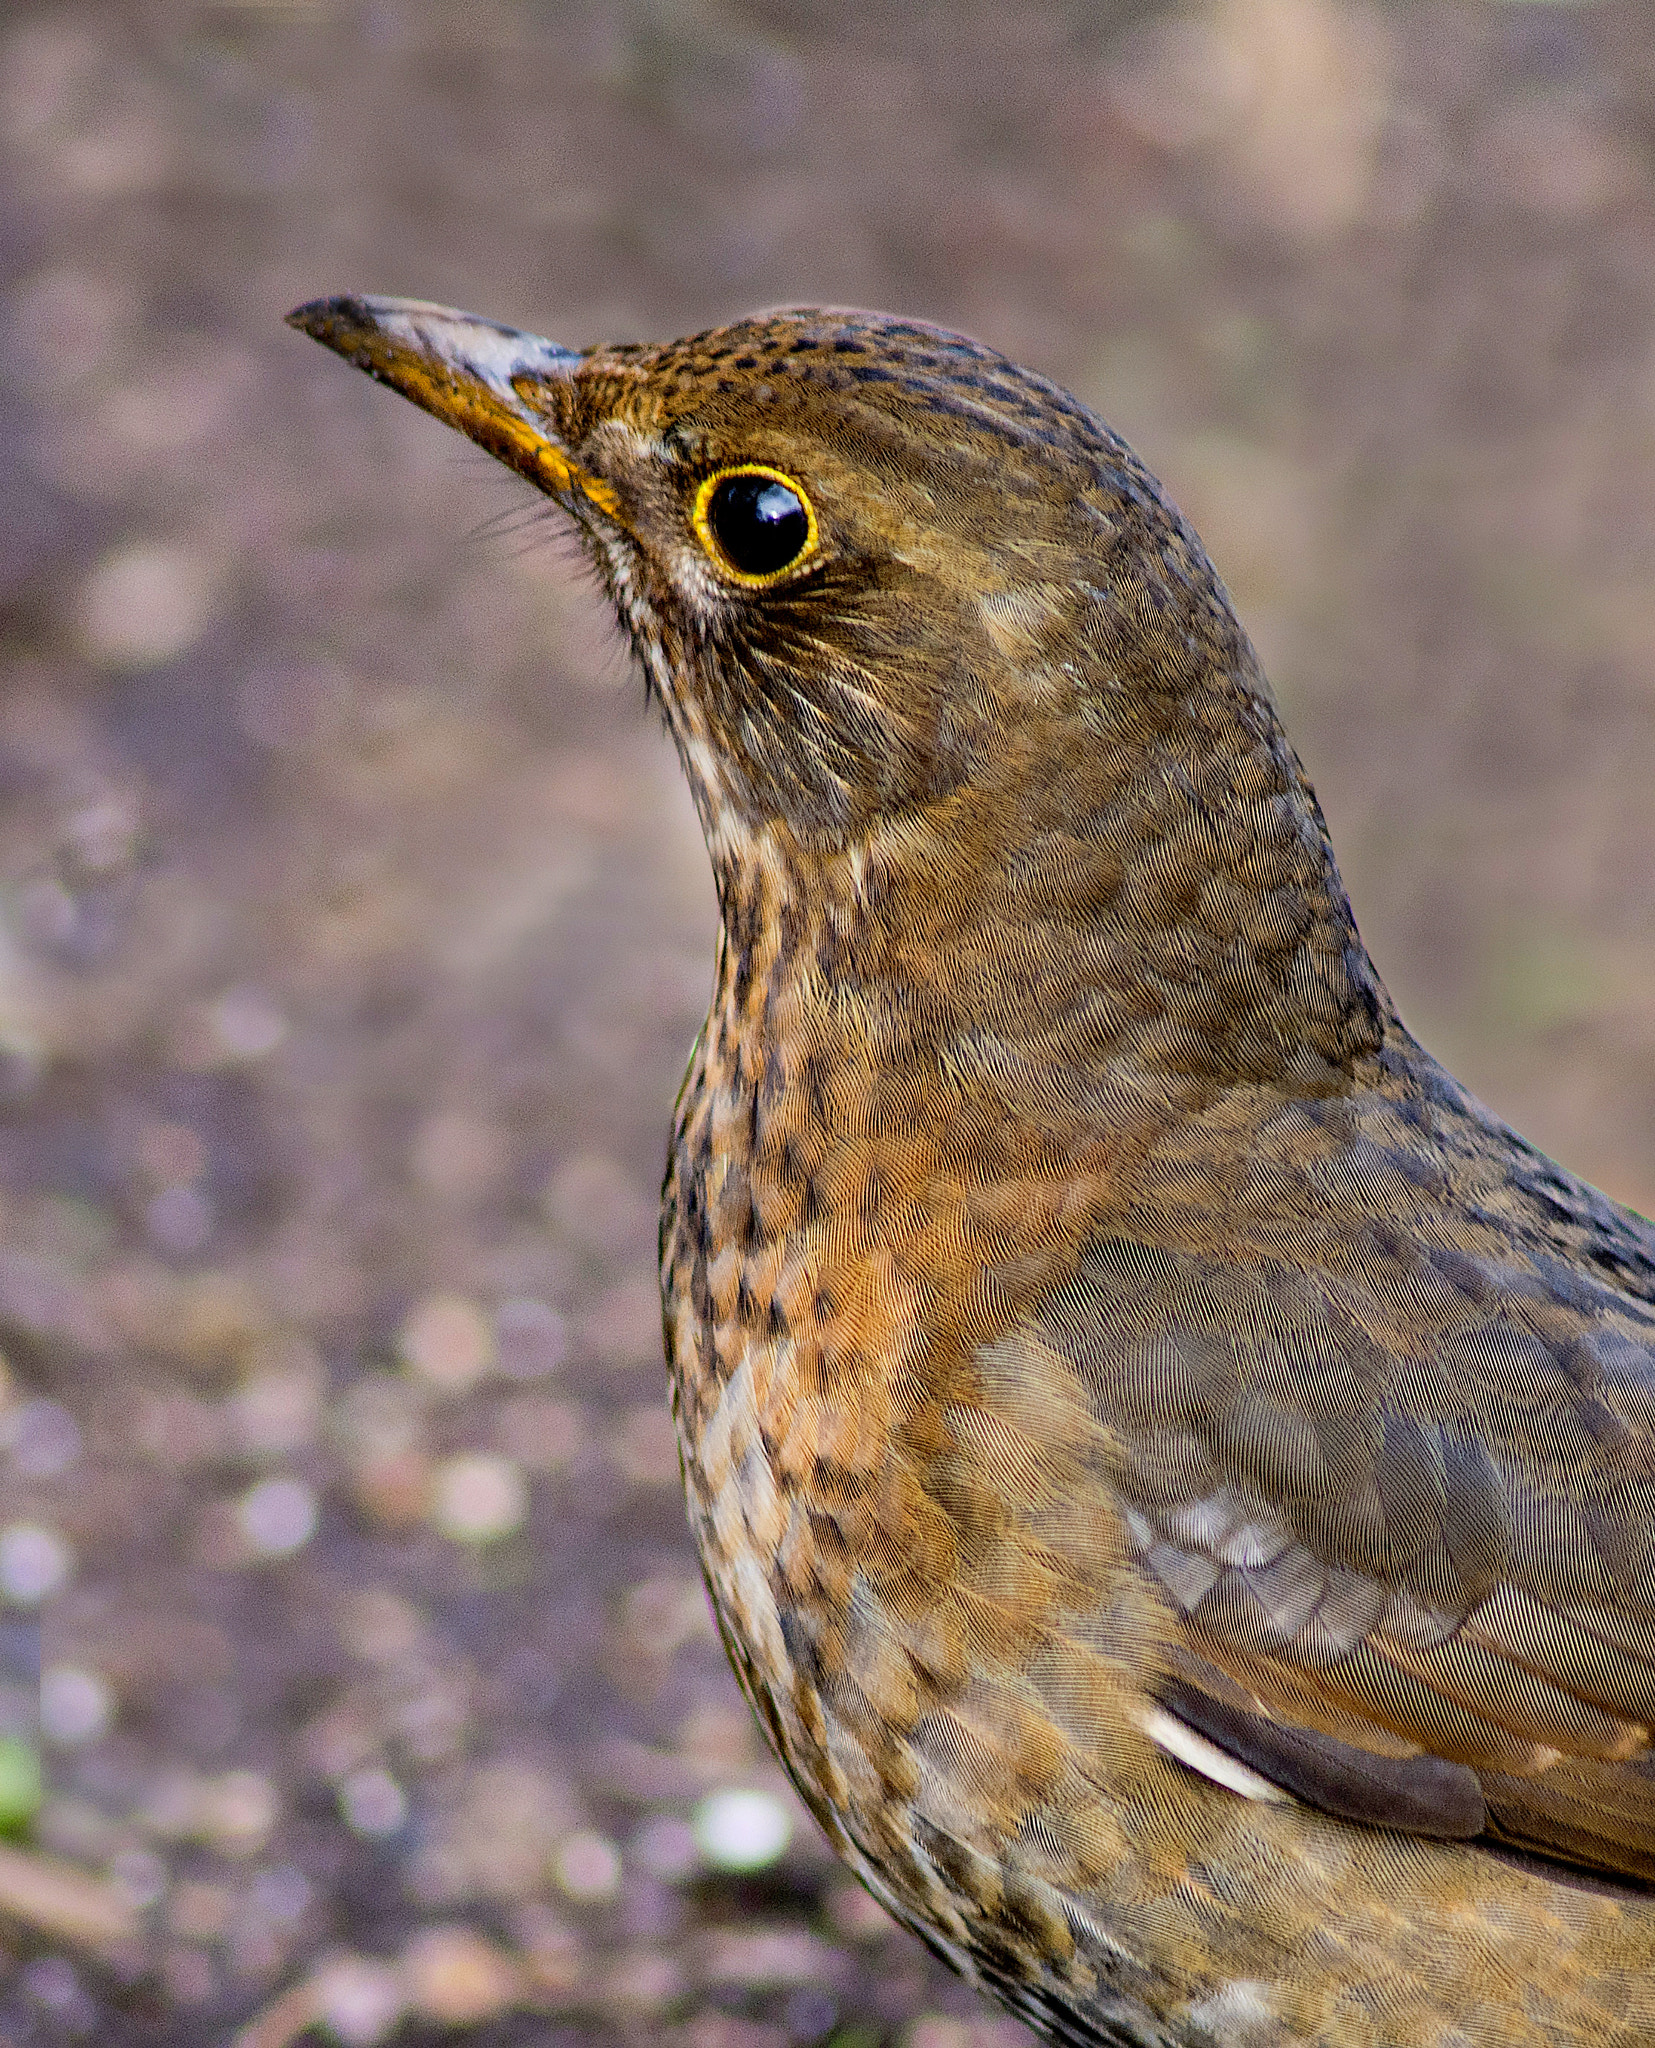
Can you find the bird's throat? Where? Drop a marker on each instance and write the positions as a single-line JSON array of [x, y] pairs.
[[1160, 936]]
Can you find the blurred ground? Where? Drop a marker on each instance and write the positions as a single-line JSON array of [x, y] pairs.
[[355, 925]]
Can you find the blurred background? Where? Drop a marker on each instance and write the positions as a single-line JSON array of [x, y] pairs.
[[354, 925]]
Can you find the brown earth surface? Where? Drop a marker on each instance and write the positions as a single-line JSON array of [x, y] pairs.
[[354, 925]]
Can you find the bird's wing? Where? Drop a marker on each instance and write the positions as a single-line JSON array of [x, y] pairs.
[[1380, 1380]]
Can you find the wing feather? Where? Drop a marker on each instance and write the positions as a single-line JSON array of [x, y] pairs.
[[1385, 1402]]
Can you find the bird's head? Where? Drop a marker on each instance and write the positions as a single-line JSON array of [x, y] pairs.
[[935, 649], [866, 563]]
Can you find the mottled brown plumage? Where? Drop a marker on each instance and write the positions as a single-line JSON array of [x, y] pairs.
[[1175, 1474]]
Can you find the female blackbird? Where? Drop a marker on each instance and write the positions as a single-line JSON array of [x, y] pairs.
[[1175, 1474]]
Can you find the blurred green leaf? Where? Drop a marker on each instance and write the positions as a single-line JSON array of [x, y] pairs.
[[21, 1785]]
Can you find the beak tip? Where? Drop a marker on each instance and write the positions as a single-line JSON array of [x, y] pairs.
[[470, 373], [334, 322]]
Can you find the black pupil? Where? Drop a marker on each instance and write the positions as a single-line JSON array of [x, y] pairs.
[[760, 524]]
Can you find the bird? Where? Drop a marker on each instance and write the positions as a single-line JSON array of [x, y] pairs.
[[1174, 1472]]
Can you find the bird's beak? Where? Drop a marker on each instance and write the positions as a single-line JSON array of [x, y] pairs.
[[489, 381]]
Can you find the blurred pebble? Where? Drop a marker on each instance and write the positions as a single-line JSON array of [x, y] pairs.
[[219, 1544], [623, 1327], [645, 1445], [198, 1911], [457, 1978], [179, 1429], [382, 1429], [246, 1023], [718, 1734], [50, 1982], [431, 1723], [241, 1809], [174, 1805], [762, 1958], [936, 2030], [588, 1867], [665, 1847], [35, 1563], [379, 1625], [22, 1786], [42, 1437], [507, 1828], [479, 1498], [436, 1875], [179, 1220], [206, 1320], [855, 1914], [530, 1337], [141, 1875], [549, 1946], [171, 1154], [143, 605], [282, 1895], [395, 1488], [342, 1739], [597, 1205], [187, 1975], [64, 325], [281, 702], [47, 914], [77, 1829], [257, 1952], [101, 835], [941, 2030], [278, 1406], [446, 1340], [170, 403], [381, 1426], [811, 2013], [546, 1435], [357, 1999], [458, 1157], [278, 1516], [17, 1708], [75, 1705], [642, 1980], [372, 1802], [379, 1415], [742, 1829], [663, 1613]]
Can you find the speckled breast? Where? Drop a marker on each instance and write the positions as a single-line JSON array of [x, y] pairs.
[[899, 1516]]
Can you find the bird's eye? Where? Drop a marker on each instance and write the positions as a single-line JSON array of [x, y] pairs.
[[754, 522]]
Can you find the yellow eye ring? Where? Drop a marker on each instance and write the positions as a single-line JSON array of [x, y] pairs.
[[756, 523]]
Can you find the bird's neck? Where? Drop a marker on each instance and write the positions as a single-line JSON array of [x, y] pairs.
[[1179, 923]]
